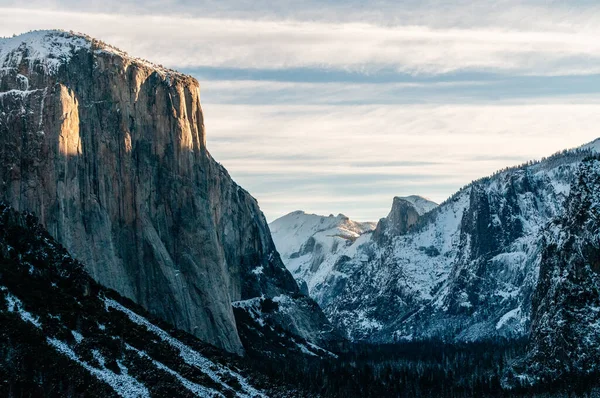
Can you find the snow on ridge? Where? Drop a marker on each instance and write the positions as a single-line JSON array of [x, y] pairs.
[[422, 204], [49, 48], [125, 385], [300, 226], [197, 389], [594, 145], [303, 239], [53, 48], [190, 356]]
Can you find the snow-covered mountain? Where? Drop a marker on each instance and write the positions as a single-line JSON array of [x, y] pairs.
[[465, 270], [565, 310], [307, 241]]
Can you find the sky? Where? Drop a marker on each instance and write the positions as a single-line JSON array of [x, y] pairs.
[[338, 106]]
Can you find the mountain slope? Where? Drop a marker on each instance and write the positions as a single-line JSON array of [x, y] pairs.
[[63, 334], [110, 152], [565, 325], [305, 241], [463, 271]]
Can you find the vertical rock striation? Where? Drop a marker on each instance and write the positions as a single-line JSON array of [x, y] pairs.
[[110, 152]]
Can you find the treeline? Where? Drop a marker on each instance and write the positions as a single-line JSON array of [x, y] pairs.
[[413, 369], [417, 369]]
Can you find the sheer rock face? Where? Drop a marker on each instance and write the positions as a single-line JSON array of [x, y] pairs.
[[110, 153], [403, 215]]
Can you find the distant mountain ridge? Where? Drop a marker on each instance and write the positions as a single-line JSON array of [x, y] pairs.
[[306, 241], [465, 270]]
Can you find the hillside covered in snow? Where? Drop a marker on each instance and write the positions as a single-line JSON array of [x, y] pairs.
[[465, 270], [306, 242]]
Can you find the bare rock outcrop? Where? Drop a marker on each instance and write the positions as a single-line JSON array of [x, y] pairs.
[[404, 214]]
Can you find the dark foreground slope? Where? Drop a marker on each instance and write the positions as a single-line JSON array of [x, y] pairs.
[[62, 334]]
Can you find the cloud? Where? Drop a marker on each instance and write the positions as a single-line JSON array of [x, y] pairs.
[[282, 92], [365, 47], [428, 96], [439, 90], [505, 14], [365, 154]]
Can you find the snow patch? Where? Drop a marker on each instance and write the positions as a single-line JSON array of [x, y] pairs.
[[190, 356], [252, 308], [50, 49], [77, 335], [16, 305], [258, 270], [510, 315], [305, 350], [197, 389], [123, 384]]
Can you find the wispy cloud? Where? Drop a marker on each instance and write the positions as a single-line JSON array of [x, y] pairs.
[[554, 15], [370, 153], [452, 89], [338, 106], [268, 44]]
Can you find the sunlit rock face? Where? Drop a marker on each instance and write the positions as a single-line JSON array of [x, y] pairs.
[[110, 152]]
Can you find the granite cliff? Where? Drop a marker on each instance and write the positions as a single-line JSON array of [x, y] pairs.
[[109, 151]]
